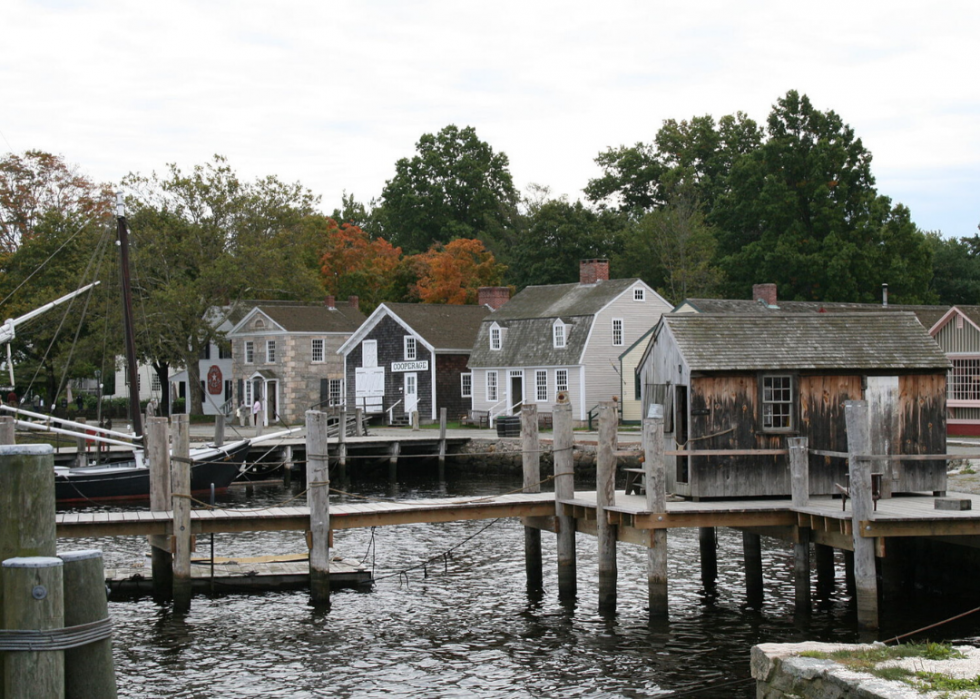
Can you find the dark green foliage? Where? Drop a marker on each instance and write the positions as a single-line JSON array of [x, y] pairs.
[[956, 269]]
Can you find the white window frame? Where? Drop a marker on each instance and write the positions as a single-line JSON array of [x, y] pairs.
[[541, 385], [778, 402], [493, 387], [154, 381], [618, 332], [249, 352], [270, 351], [558, 335], [561, 380], [466, 385], [335, 392], [963, 381], [496, 337], [639, 293], [411, 348], [318, 346]]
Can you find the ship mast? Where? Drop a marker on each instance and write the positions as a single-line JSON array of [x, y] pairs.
[[129, 327]]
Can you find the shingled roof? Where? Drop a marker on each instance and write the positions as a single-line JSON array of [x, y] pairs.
[[315, 319], [562, 300], [442, 326], [759, 342], [927, 315]]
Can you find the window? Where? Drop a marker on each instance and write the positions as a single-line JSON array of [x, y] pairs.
[[409, 348], [561, 380], [466, 385], [336, 391], [639, 293], [270, 351], [541, 385], [617, 332], [492, 386], [963, 382], [224, 350], [154, 382], [495, 337], [777, 402], [249, 351], [559, 329], [205, 352], [317, 350]]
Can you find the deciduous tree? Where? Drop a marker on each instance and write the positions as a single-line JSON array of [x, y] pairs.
[[354, 264], [453, 273]]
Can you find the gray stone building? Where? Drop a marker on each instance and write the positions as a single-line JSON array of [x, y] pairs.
[[285, 356]]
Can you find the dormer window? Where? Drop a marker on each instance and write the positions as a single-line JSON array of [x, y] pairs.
[[495, 337], [558, 330], [259, 323]]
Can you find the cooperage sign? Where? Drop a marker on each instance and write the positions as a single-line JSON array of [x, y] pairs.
[[422, 365]]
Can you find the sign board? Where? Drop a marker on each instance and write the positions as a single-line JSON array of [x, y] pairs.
[[422, 365]]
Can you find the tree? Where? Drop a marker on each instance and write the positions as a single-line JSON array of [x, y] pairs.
[[454, 272], [353, 264], [956, 269], [455, 186], [206, 238]]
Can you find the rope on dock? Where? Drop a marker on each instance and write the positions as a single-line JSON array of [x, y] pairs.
[[932, 626]]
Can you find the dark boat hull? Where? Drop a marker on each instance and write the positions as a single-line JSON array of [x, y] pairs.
[[128, 482]]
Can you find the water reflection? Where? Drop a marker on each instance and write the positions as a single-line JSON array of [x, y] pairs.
[[466, 625]]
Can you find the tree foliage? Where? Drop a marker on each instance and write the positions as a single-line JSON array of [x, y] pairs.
[[956, 269], [454, 272], [455, 186], [353, 264]]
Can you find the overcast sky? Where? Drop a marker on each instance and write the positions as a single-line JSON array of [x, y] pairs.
[[332, 93]]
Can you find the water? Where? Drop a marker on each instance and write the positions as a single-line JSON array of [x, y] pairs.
[[466, 625]]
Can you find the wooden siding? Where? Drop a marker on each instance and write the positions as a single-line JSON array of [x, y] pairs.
[[449, 368], [632, 407], [922, 429], [965, 340]]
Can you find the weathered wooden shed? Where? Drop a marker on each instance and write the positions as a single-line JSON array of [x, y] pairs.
[[750, 381]]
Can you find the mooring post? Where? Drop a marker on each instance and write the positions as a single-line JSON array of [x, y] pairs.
[[287, 466], [89, 669], [415, 421], [442, 443], [799, 472], [708, 548], [342, 440], [394, 451], [865, 576], [33, 588], [27, 507], [318, 499], [180, 479], [532, 484], [656, 489], [219, 430], [752, 550], [606, 497], [8, 434], [81, 448], [824, 560], [561, 452], [358, 422], [158, 458]]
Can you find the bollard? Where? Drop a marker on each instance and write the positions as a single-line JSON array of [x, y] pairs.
[[33, 588], [89, 670], [219, 430], [318, 500]]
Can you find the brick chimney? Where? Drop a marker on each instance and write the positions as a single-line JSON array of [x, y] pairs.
[[593, 271], [330, 302], [493, 296], [764, 292], [354, 302]]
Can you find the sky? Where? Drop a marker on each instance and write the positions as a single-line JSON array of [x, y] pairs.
[[331, 93]]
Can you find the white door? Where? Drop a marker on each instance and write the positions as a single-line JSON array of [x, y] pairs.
[[369, 389], [411, 393]]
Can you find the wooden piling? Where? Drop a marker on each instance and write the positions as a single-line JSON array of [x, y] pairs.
[[562, 445], [656, 493], [799, 471], [342, 440], [442, 443], [219, 430], [89, 670], [287, 466], [33, 588], [180, 479], [318, 500], [27, 507], [7, 431], [752, 550], [358, 422], [415, 421], [158, 457], [81, 448], [824, 559], [532, 484], [606, 497], [394, 451], [865, 578], [708, 547]]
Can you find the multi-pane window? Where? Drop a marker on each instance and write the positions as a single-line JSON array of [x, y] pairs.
[[541, 385], [561, 380], [777, 402], [492, 386], [317, 350], [963, 382], [154, 381], [495, 338], [224, 350], [617, 331], [249, 351], [559, 329], [409, 348], [466, 385], [639, 293], [270, 351], [336, 391]]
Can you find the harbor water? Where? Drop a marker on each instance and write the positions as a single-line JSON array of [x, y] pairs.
[[464, 624]]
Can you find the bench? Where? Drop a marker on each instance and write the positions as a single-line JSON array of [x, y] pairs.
[[476, 418]]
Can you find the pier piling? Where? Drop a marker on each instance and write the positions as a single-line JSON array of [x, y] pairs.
[[219, 430], [708, 548], [318, 500], [442, 444], [752, 549], [606, 497], [799, 470], [180, 479], [656, 493], [564, 490], [89, 670], [7, 431], [532, 484], [824, 560], [865, 578], [81, 448], [161, 497]]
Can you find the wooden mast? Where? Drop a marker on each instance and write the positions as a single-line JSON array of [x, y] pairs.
[[130, 330]]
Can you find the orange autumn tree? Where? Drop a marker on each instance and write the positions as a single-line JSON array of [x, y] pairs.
[[354, 264], [452, 273]]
